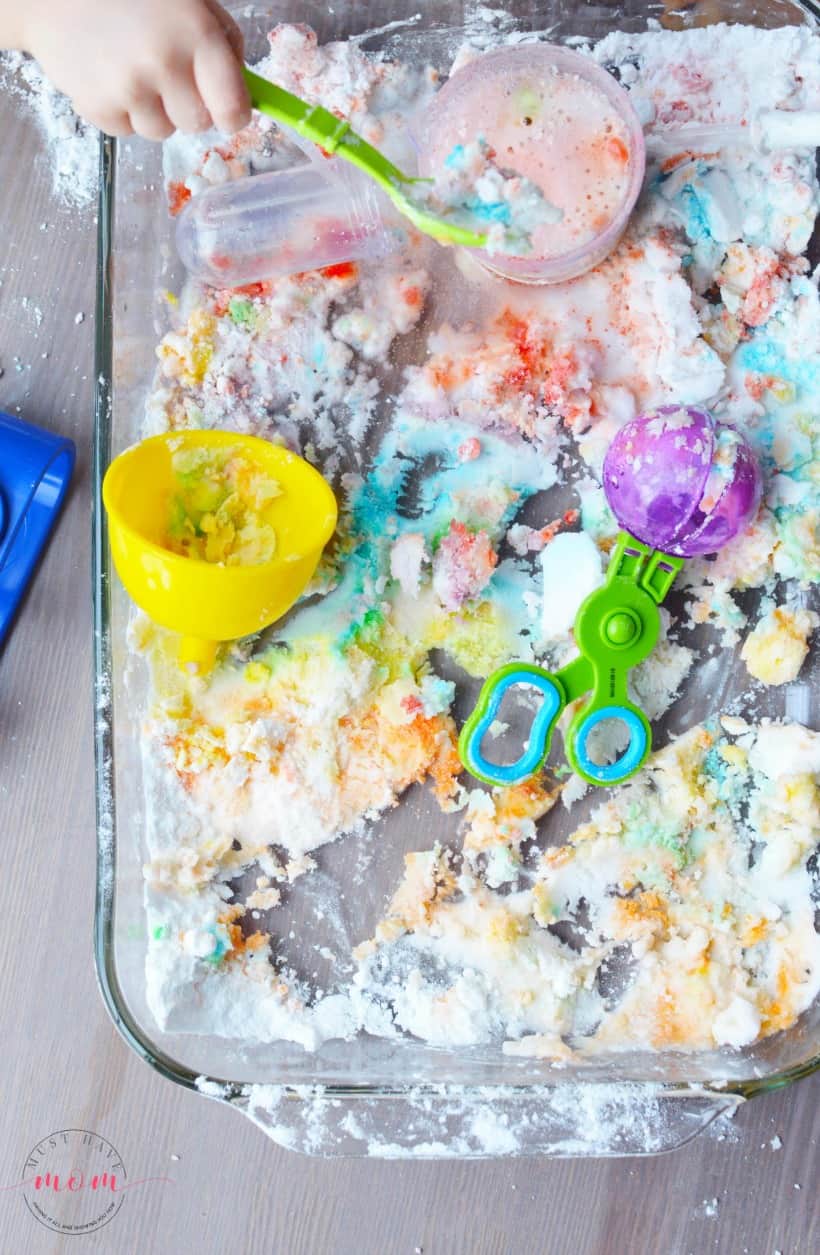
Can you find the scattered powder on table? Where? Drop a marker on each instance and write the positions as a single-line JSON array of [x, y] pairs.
[[72, 146]]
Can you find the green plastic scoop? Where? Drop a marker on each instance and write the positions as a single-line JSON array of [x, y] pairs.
[[336, 136]]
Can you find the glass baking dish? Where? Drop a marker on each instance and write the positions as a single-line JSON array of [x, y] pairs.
[[369, 1095]]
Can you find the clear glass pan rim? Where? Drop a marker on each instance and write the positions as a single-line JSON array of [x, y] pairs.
[[104, 918]]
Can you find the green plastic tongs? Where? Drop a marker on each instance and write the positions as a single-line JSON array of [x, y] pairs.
[[337, 137], [616, 628]]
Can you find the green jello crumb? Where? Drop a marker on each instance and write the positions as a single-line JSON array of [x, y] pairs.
[[217, 508], [240, 312]]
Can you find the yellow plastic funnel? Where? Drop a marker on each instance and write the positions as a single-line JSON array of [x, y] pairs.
[[208, 602]]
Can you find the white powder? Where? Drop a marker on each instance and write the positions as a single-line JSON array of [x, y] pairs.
[[445, 1121], [783, 751], [737, 1025], [72, 146], [571, 566]]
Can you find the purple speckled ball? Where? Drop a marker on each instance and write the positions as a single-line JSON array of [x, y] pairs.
[[681, 482]]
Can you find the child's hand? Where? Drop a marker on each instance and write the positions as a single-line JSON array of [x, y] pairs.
[[139, 65]]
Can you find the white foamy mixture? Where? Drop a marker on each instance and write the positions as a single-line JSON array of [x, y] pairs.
[[563, 136], [471, 189], [679, 913]]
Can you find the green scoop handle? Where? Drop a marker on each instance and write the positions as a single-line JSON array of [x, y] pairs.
[[337, 137]]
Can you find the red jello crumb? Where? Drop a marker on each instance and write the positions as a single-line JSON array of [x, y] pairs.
[[178, 197], [341, 270], [618, 149], [469, 450]]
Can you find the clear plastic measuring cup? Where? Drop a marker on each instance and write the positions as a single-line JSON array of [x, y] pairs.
[[284, 222]]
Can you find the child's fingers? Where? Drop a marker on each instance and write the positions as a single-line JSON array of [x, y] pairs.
[[234, 35], [183, 103], [219, 79], [148, 118], [112, 121]]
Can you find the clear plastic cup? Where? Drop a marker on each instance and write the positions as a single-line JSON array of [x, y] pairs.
[[545, 111], [284, 222]]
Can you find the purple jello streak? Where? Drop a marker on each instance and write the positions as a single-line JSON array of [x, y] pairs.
[[681, 482]]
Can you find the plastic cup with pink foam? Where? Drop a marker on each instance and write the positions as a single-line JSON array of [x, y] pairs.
[[561, 120]]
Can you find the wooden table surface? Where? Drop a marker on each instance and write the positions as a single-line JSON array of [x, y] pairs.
[[66, 1066]]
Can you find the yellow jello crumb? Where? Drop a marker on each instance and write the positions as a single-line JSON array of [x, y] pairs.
[[734, 755], [186, 355], [217, 508], [776, 650], [257, 672], [504, 928], [543, 910]]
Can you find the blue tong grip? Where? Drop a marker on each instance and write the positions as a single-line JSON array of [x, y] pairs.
[[486, 710], [35, 471], [628, 761]]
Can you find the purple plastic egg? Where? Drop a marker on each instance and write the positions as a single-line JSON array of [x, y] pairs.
[[681, 482]]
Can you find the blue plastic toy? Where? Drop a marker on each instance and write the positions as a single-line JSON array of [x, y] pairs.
[[35, 471]]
